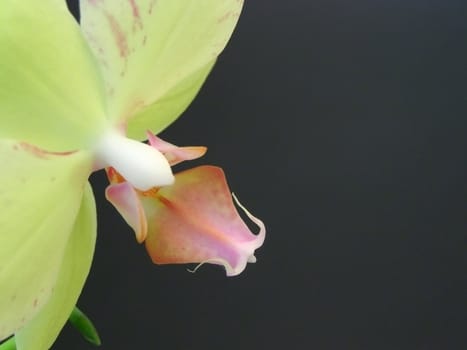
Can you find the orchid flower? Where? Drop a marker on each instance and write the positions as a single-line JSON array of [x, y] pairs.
[[79, 98]]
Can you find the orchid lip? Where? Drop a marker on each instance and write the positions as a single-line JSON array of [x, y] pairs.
[[140, 164]]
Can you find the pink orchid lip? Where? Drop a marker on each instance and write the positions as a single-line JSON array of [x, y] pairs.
[[192, 221], [195, 221]]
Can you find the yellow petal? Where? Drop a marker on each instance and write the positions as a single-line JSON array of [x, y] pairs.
[[156, 54], [51, 92], [40, 195], [43, 329]]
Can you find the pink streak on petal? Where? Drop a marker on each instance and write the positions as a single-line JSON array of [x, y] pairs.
[[173, 153], [137, 22], [134, 9], [195, 221], [119, 35], [125, 199], [39, 152]]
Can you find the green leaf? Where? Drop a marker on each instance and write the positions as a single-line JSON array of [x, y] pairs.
[[150, 51], [51, 92], [43, 329], [85, 326], [8, 344], [40, 196]]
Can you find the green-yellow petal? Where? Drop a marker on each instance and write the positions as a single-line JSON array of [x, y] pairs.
[[43, 329], [40, 195], [151, 51], [51, 92], [159, 115]]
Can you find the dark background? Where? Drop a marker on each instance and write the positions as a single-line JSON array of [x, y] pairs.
[[342, 125]]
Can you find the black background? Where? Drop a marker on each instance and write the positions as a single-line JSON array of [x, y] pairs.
[[342, 125]]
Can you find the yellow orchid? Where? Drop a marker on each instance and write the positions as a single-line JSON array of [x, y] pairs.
[[74, 99]]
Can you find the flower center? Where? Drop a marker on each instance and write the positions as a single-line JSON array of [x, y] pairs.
[[140, 164]]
